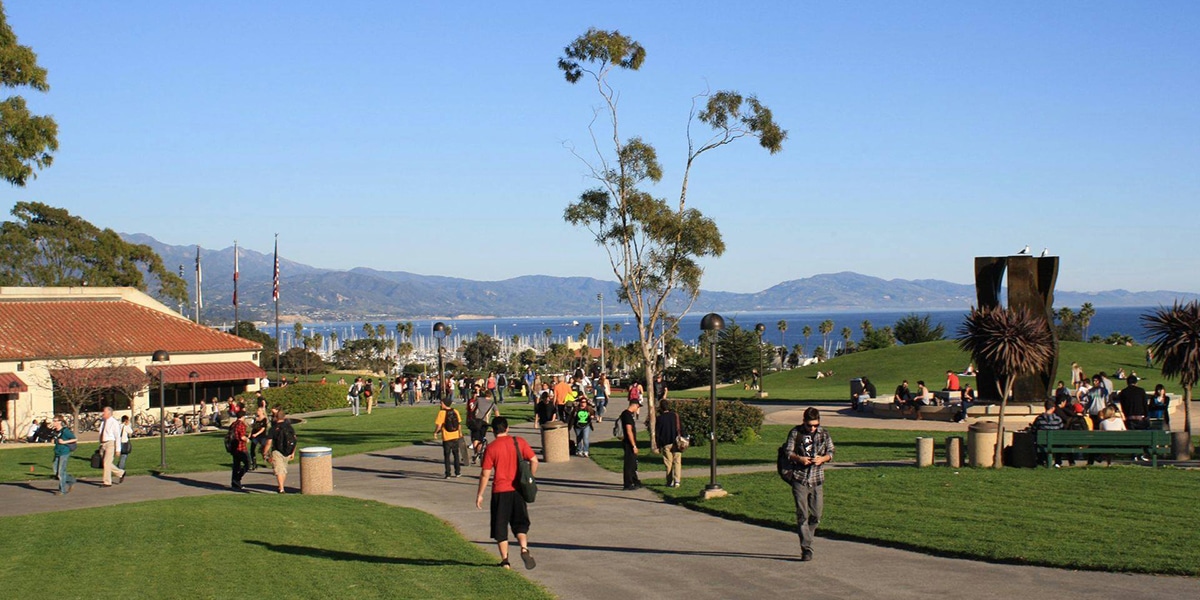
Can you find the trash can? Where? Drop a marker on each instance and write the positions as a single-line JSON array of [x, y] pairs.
[[316, 470], [981, 443], [556, 441], [1024, 449], [924, 452], [856, 390]]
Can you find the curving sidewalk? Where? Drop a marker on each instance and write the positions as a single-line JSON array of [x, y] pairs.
[[593, 540]]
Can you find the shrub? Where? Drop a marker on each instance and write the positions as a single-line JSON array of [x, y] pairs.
[[302, 398], [733, 419], [748, 437]]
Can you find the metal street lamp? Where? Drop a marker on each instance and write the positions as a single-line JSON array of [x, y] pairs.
[[603, 367], [193, 376], [712, 322], [161, 358], [759, 329], [14, 389], [439, 332]]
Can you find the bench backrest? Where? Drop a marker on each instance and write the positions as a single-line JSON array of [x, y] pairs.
[[1065, 437]]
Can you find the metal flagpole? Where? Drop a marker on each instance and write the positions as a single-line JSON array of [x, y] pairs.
[[199, 286], [235, 287], [275, 296]]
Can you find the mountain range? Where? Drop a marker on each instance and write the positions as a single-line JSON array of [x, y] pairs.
[[335, 295]]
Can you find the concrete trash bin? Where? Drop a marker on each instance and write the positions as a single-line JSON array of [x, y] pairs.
[[924, 452], [316, 470], [1024, 449], [981, 443], [556, 442]]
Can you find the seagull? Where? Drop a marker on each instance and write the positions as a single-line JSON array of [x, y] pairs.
[[1045, 253], [1024, 250]]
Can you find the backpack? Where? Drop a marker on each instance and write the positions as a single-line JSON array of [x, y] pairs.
[[783, 464], [288, 444], [451, 422], [231, 442]]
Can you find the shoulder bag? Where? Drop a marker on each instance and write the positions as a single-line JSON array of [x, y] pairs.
[[524, 483], [681, 442], [97, 457]]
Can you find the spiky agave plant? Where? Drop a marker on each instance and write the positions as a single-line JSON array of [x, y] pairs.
[[1010, 343], [1175, 342]]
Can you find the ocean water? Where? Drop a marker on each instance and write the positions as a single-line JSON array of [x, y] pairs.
[[531, 331]]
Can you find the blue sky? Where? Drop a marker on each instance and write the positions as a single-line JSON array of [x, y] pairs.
[[431, 137]]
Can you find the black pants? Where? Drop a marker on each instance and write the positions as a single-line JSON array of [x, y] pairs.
[[256, 446], [630, 470], [449, 448], [241, 464]]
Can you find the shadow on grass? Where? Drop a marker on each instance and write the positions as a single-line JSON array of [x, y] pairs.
[[189, 482], [340, 555], [629, 550]]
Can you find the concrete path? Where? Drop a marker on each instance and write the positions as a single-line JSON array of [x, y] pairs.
[[594, 540]]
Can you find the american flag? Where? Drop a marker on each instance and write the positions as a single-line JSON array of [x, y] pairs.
[[275, 292]]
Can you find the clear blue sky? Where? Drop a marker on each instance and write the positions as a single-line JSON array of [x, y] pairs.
[[429, 137]]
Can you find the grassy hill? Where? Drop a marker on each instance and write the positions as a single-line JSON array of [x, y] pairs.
[[929, 361]]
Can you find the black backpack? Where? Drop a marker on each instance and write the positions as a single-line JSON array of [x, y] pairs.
[[783, 463], [451, 422], [231, 441], [287, 445]]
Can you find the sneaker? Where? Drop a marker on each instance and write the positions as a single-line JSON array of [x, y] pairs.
[[528, 558], [121, 479], [806, 555], [457, 475], [1057, 466]]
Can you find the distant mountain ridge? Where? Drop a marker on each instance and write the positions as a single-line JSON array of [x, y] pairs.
[[328, 294]]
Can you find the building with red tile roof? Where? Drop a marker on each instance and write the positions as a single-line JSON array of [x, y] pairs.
[[58, 343]]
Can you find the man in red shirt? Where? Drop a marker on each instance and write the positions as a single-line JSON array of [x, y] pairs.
[[508, 508], [951, 382]]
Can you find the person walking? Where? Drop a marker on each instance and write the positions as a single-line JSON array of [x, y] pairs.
[[64, 444], [353, 394], [530, 389], [449, 425], [809, 447], [368, 394], [508, 509], [258, 436], [629, 442], [110, 447], [585, 419], [600, 393], [667, 429], [281, 447], [238, 449], [126, 441], [501, 384]]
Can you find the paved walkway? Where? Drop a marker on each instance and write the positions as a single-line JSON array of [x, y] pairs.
[[633, 545]]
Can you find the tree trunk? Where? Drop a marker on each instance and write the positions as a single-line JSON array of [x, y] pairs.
[[648, 394], [1187, 409], [999, 459]]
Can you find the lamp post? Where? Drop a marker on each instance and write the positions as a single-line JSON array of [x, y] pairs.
[[14, 390], [712, 322], [439, 332], [193, 376], [759, 329], [161, 358], [600, 297]]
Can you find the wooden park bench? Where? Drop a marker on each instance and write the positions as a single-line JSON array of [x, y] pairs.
[[1151, 442]]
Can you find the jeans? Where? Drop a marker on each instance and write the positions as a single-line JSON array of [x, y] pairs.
[[810, 501], [581, 438], [452, 448], [354, 405], [500, 394], [601, 406], [256, 446], [60, 468]]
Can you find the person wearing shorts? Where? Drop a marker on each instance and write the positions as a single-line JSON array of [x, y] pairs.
[[508, 508], [281, 433]]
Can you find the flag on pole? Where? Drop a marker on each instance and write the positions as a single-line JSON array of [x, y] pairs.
[[275, 290], [235, 272], [199, 286]]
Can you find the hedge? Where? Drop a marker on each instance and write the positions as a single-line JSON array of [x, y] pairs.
[[735, 420], [303, 398]]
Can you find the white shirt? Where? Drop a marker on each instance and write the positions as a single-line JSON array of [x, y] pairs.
[[110, 431], [265, 383]]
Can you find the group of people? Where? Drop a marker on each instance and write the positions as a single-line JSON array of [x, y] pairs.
[[1094, 406], [579, 402], [249, 437], [115, 445], [908, 401]]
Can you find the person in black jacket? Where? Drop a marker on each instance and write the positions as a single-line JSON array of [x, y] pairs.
[[666, 429], [1133, 404]]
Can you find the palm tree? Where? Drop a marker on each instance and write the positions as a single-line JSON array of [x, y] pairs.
[[806, 332], [1007, 342], [298, 330], [866, 327], [826, 327], [368, 331], [1175, 342], [318, 342], [1086, 312], [333, 338], [587, 330], [846, 334], [547, 332], [782, 327]]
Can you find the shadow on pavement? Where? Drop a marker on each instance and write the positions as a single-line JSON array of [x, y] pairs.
[[625, 549], [355, 557], [196, 483]]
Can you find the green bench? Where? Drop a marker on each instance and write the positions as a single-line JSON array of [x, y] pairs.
[[1063, 441]]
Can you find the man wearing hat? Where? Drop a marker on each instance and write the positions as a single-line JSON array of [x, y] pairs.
[[1133, 404], [629, 438]]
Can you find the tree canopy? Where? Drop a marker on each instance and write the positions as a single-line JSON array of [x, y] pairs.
[[48, 246], [914, 329], [26, 140]]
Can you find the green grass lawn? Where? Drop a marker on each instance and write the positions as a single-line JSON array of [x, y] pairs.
[[248, 546], [1133, 519], [853, 445], [385, 428], [888, 367]]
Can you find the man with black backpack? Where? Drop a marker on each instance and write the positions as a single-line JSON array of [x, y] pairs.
[[807, 449], [449, 425], [509, 508], [281, 446]]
